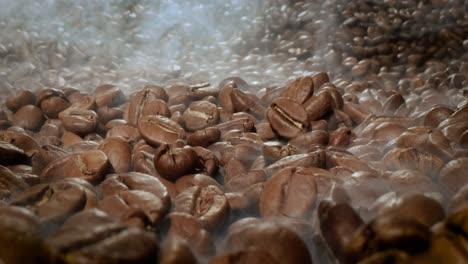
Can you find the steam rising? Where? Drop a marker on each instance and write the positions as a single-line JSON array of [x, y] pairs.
[[85, 43]]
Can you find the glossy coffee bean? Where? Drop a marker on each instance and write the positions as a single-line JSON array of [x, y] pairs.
[[157, 130], [288, 192], [200, 115], [207, 204], [287, 118], [285, 246], [173, 163], [204, 137], [144, 103], [338, 223], [28, 117], [118, 152], [80, 121], [89, 165]]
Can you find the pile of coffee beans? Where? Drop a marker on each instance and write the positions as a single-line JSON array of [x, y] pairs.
[[302, 173]]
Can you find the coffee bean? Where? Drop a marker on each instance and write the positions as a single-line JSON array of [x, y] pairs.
[[287, 118], [118, 152], [145, 103], [288, 192], [157, 130], [108, 95], [200, 115], [300, 89], [80, 122], [89, 165], [173, 163], [207, 204], [28, 117], [204, 137], [318, 105]]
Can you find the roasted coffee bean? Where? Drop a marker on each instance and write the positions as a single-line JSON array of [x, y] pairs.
[[118, 152], [317, 106], [28, 117], [55, 202], [121, 205], [89, 165], [307, 141], [250, 255], [191, 180], [436, 115], [173, 163], [459, 201], [274, 150], [107, 114], [320, 78], [52, 106], [388, 233], [209, 162], [157, 130], [20, 233], [241, 180], [312, 159], [125, 131], [453, 175], [108, 95], [411, 181], [418, 207], [207, 204], [338, 223], [175, 251], [341, 137], [287, 118], [145, 103], [186, 227], [92, 236], [245, 153], [80, 121], [300, 89], [10, 154], [285, 246], [115, 183], [411, 158], [205, 137], [242, 124], [22, 98], [289, 192], [202, 90], [10, 183], [200, 115]]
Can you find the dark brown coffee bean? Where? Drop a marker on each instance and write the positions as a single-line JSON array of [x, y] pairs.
[[145, 103], [320, 78], [10, 154], [300, 89], [89, 165], [242, 124], [53, 203], [236, 178], [207, 204], [418, 207], [22, 98], [200, 115], [317, 106], [118, 152], [21, 232], [287, 118], [157, 130], [125, 131], [274, 151], [10, 183], [459, 201], [80, 122], [205, 137], [28, 117], [209, 162], [388, 233], [288, 192], [338, 223], [410, 158], [202, 90], [312, 159], [108, 95], [121, 205], [336, 98], [307, 141], [393, 103], [453, 175], [251, 255], [91, 237], [186, 227], [175, 251], [341, 137], [107, 114], [436, 115], [191, 180], [173, 163], [285, 246]]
